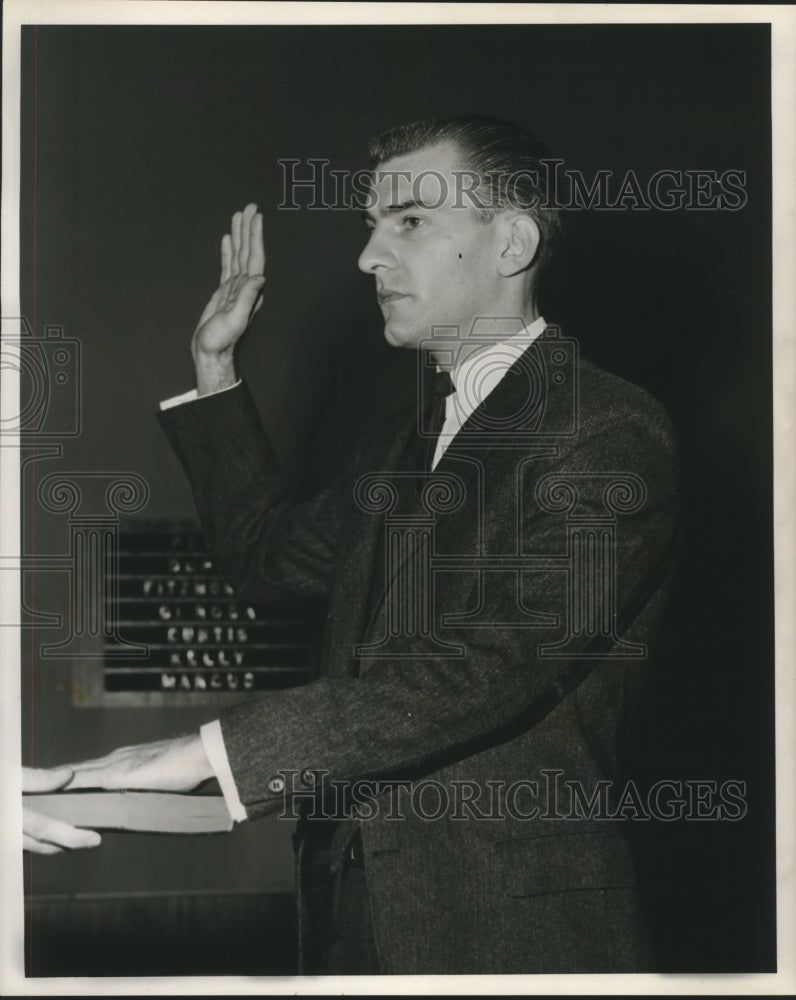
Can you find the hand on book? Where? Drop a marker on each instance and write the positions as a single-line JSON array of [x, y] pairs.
[[175, 765], [43, 834]]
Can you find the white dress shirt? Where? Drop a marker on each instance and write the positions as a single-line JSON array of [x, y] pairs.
[[473, 380], [477, 376]]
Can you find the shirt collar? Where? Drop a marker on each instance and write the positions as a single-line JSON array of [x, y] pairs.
[[478, 375]]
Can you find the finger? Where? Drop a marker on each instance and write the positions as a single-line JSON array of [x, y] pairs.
[[55, 831], [256, 246], [95, 773], [86, 777], [226, 258], [245, 242], [101, 774], [235, 238], [36, 779], [217, 301], [37, 847], [245, 302], [119, 770]]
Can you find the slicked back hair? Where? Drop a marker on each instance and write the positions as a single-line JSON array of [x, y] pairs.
[[506, 158]]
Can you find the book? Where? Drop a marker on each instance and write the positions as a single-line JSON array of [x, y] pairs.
[[144, 812]]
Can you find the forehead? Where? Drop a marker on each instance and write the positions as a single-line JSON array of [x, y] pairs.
[[427, 176]]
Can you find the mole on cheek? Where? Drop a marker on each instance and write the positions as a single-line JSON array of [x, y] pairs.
[[460, 256]]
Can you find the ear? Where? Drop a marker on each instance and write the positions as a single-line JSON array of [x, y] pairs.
[[520, 241]]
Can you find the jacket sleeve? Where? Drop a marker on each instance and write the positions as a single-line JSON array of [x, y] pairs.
[[417, 713], [263, 539]]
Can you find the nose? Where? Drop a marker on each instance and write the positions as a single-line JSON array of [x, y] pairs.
[[376, 254]]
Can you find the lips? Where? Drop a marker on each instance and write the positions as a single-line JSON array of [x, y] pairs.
[[388, 295]]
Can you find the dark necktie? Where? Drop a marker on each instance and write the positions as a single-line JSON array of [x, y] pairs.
[[441, 388]]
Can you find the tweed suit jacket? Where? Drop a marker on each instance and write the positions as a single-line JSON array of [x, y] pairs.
[[519, 880]]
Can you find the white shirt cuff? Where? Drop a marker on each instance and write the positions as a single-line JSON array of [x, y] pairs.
[[213, 743], [188, 397]]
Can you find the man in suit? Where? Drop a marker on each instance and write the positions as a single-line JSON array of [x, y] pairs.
[[493, 587]]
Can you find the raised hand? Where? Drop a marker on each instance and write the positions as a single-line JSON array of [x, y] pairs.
[[228, 313], [42, 834], [175, 765]]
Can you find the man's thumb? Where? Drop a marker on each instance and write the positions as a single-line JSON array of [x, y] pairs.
[[247, 296], [45, 779]]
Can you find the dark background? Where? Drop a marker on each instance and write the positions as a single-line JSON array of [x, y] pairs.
[[138, 143]]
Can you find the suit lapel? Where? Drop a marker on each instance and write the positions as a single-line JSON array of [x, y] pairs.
[[487, 431], [512, 417], [360, 549]]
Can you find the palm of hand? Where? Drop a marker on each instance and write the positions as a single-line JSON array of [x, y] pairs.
[[228, 313]]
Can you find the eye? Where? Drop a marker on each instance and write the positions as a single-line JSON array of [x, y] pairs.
[[412, 221]]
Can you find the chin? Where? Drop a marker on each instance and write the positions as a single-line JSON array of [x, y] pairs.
[[396, 337]]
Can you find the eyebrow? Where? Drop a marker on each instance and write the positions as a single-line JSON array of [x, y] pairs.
[[393, 209]]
